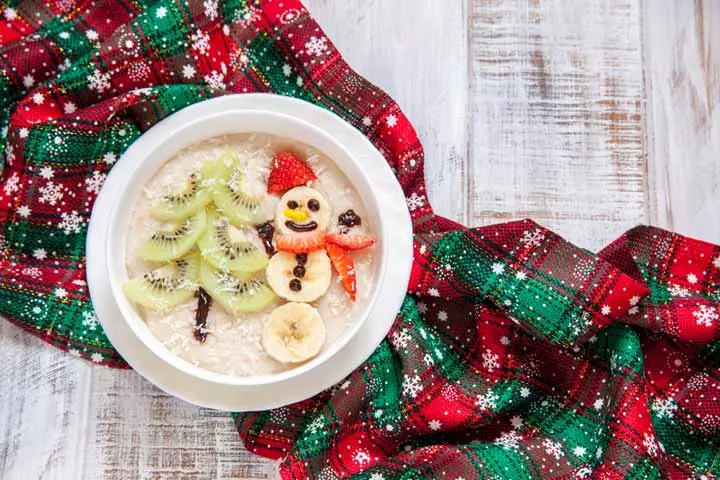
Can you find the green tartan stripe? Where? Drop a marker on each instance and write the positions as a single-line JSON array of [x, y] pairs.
[[25, 237], [166, 36], [693, 449], [268, 63], [645, 469], [498, 461], [66, 38]]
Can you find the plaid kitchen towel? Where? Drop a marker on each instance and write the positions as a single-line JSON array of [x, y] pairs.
[[515, 354]]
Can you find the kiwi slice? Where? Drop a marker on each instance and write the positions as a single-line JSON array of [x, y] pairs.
[[236, 293], [167, 286], [221, 247], [193, 195], [240, 207], [175, 239]]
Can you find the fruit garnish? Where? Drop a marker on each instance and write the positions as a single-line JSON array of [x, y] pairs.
[[298, 282], [350, 241], [236, 293], [223, 246], [241, 207], [302, 209], [300, 242], [167, 286], [345, 268], [293, 333], [191, 196], [174, 239], [288, 171]]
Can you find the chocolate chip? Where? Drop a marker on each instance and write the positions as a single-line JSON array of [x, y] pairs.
[[295, 285], [349, 219], [301, 258], [292, 204], [299, 271], [313, 205]]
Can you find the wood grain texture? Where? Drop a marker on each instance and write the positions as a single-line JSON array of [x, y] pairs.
[[557, 128], [682, 60]]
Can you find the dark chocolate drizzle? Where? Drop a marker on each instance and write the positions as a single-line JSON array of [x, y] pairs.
[[265, 232], [204, 304], [301, 227]]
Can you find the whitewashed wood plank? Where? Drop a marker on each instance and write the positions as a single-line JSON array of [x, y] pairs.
[[557, 129], [682, 52], [43, 394], [417, 52]]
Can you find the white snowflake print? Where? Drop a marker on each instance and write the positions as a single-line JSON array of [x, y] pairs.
[[24, 211], [579, 451], [490, 360], [316, 425], [74, 352], [605, 310], [650, 443], [692, 278], [532, 238], [634, 300], [633, 311], [96, 357], [521, 275], [51, 193], [40, 253], [287, 70], [598, 404], [345, 385], [90, 320], [94, 183], [487, 401], [92, 35], [139, 71], [435, 425], [99, 81], [367, 121], [23, 132], [553, 448], [400, 339], [65, 65], [60, 292], [211, 9], [664, 408], [498, 268], [706, 315], [583, 472], [216, 81], [239, 59], [377, 476], [316, 46], [598, 453], [361, 457], [508, 440], [716, 262], [109, 158], [32, 272], [11, 186], [422, 308], [505, 340], [411, 385], [391, 120], [200, 42], [10, 14], [161, 12], [38, 98], [28, 81], [678, 291], [434, 292], [71, 222], [69, 108], [442, 316], [47, 173], [188, 71], [415, 201], [524, 392], [428, 360]]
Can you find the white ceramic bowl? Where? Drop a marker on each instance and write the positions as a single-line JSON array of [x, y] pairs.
[[283, 117]]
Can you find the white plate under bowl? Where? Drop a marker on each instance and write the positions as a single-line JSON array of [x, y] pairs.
[[177, 377]]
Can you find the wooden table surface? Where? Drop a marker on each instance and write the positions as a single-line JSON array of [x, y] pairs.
[[590, 116]]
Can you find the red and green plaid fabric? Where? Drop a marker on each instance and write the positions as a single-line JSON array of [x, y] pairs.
[[515, 354]]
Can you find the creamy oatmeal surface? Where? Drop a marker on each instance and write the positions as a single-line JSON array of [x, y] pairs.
[[233, 345]]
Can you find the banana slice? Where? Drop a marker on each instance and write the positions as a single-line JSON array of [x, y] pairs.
[[293, 333], [302, 277], [302, 209]]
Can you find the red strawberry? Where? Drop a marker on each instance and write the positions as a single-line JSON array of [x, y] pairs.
[[350, 241], [287, 172], [345, 268], [300, 242]]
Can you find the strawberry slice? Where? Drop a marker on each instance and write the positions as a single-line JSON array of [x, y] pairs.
[[345, 268], [350, 241], [288, 171], [300, 242]]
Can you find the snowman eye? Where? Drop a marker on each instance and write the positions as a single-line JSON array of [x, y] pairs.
[[292, 204], [313, 205]]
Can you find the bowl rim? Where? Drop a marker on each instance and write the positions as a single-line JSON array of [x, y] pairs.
[[150, 161]]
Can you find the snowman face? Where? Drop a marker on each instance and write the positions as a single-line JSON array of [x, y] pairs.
[[302, 209]]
